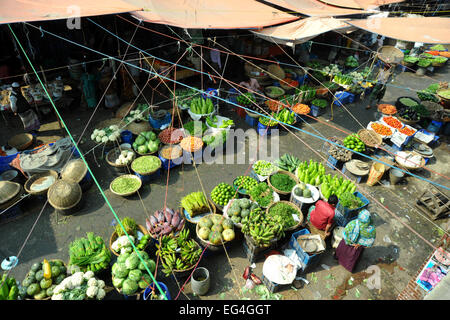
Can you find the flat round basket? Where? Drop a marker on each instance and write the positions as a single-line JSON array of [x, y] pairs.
[[63, 194], [440, 95], [276, 72], [370, 138], [211, 246], [129, 176], [390, 54], [114, 238], [114, 154], [267, 91], [75, 170], [8, 191], [290, 174], [39, 183], [147, 173], [21, 141], [422, 163], [295, 207]]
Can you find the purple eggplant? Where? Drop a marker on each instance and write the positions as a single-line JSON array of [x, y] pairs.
[[153, 220], [168, 216], [175, 219], [180, 225]]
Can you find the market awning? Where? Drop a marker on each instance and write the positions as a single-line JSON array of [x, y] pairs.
[[301, 31], [360, 4], [39, 10], [211, 14], [425, 29], [314, 8]]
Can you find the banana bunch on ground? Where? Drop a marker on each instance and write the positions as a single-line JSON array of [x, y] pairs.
[[262, 228], [288, 162], [178, 254]]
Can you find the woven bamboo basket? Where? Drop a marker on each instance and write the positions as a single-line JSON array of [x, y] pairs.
[[148, 173], [207, 243], [64, 195], [40, 177], [8, 191], [445, 100], [131, 176], [378, 139], [276, 72], [390, 54], [295, 207], [137, 127], [75, 170], [114, 238], [21, 141], [290, 174], [422, 163]]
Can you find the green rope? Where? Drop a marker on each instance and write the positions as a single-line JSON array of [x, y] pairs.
[[84, 160]]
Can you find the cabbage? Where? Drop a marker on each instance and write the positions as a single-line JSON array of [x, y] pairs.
[[142, 149], [144, 255], [140, 140], [129, 287], [135, 275], [118, 282], [123, 257], [132, 262], [121, 271], [152, 146]]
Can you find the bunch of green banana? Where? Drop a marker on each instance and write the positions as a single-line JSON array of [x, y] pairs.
[[262, 228], [195, 203], [288, 162]]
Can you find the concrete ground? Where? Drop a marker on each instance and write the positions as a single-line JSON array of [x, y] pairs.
[[398, 252]]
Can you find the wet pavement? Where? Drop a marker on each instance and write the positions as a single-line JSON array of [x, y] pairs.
[[397, 252]]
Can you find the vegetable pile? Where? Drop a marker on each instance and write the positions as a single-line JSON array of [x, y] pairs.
[[216, 229], [122, 244], [387, 109], [195, 203], [137, 114], [285, 212], [213, 121], [195, 128], [262, 228], [244, 183], [268, 122], [263, 167], [215, 139], [343, 80], [178, 254], [164, 223], [145, 164], [146, 142], [305, 93], [124, 185], [184, 96], [274, 91], [201, 106], [246, 99], [239, 209], [80, 286], [285, 116], [392, 122], [340, 153], [381, 129], [129, 273], [407, 131], [311, 173], [171, 136], [222, 194], [354, 142], [336, 185], [41, 280], [125, 157], [282, 182], [351, 62], [111, 133], [90, 253], [350, 200], [288, 162], [429, 93], [321, 103], [171, 152], [301, 108], [8, 288], [302, 190], [274, 106], [262, 194], [191, 144]]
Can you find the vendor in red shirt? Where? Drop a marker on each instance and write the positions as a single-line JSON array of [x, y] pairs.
[[322, 214]]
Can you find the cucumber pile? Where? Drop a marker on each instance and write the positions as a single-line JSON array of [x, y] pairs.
[[201, 106]]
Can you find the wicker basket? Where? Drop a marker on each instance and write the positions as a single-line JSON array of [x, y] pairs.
[[137, 127], [113, 154], [64, 195], [272, 95], [290, 174], [75, 170], [207, 243], [390, 55], [295, 207], [132, 176], [147, 173], [8, 191], [35, 177], [114, 238], [378, 139], [125, 109], [445, 100], [21, 141], [422, 163], [276, 72]]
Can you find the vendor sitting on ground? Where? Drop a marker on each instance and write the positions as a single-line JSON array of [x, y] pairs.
[[21, 107], [251, 84], [358, 233], [321, 215]]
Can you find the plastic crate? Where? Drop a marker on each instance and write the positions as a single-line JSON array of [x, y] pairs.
[[252, 122], [347, 212], [435, 126], [333, 163], [307, 261], [316, 111], [254, 253], [342, 220], [343, 97]]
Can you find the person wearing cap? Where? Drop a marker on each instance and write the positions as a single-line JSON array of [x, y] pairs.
[[358, 234], [21, 107], [321, 215]]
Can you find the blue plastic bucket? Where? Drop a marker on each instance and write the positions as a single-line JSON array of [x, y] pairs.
[[4, 162], [166, 164], [252, 122], [157, 124], [127, 136], [262, 129], [149, 289]]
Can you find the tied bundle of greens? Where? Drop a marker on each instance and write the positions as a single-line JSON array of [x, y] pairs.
[[130, 227], [350, 201], [90, 254]]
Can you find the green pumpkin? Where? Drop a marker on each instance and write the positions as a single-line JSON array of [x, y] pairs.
[[215, 237]]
